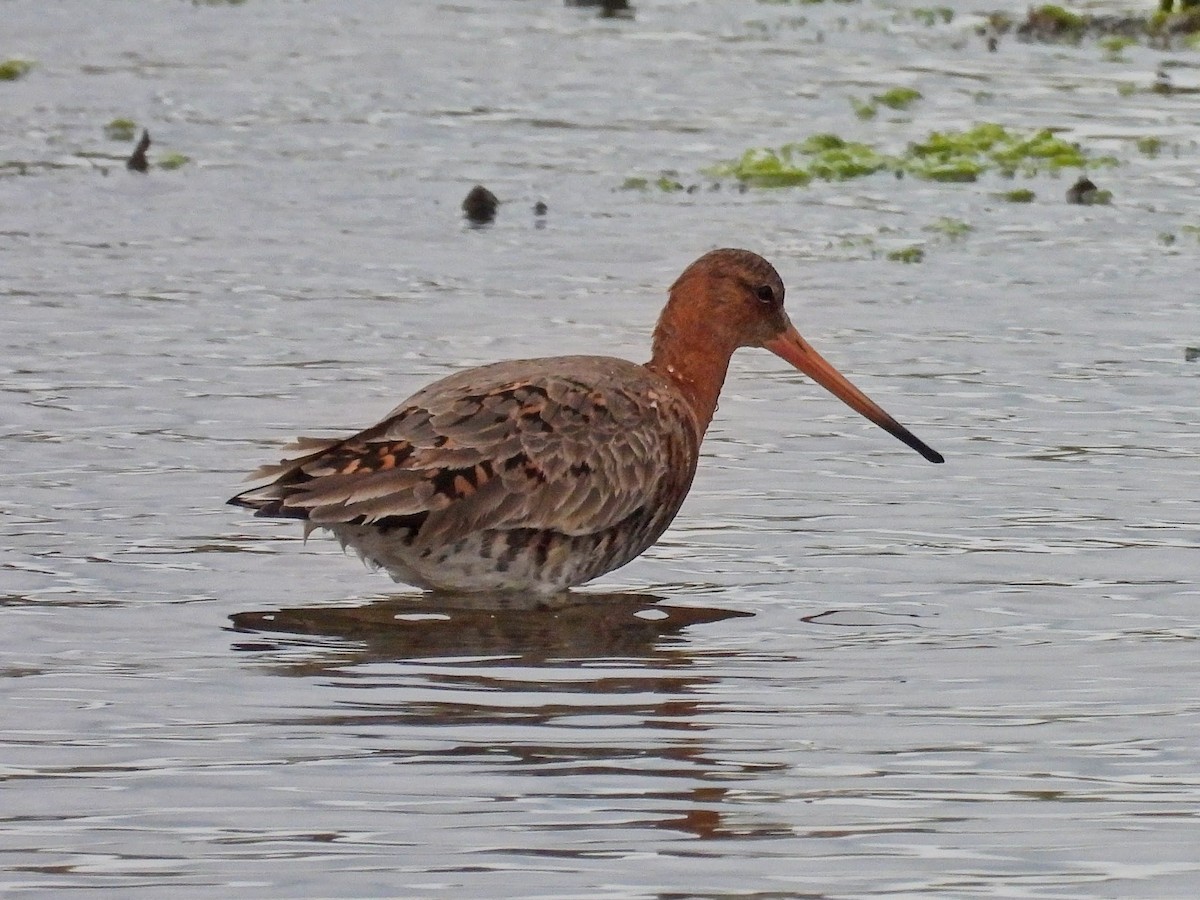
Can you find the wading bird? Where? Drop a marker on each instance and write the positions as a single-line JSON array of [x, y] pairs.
[[536, 475]]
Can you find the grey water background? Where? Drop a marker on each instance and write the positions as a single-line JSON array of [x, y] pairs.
[[843, 673]]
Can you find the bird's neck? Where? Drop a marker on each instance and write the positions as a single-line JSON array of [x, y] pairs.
[[692, 356]]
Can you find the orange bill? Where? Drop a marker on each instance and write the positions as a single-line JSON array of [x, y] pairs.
[[793, 348]]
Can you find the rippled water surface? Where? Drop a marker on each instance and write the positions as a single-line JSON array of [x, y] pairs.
[[843, 672]]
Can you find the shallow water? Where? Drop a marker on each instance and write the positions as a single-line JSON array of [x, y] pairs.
[[843, 672]]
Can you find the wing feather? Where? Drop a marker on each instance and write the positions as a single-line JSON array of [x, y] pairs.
[[564, 443]]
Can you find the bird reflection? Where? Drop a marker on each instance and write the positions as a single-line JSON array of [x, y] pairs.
[[582, 625], [513, 694]]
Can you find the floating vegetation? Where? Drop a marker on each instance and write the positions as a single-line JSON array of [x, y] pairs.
[[953, 156], [1055, 24], [1149, 146], [1113, 44], [954, 229], [173, 161], [948, 155], [863, 109], [823, 156], [120, 130], [801, 2], [1018, 195], [1085, 193], [667, 183], [1052, 23], [911, 254], [931, 16], [13, 69], [893, 98], [898, 97]]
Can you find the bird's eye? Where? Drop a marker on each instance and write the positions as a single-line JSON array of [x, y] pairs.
[[765, 293]]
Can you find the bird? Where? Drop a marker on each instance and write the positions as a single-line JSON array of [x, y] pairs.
[[535, 476]]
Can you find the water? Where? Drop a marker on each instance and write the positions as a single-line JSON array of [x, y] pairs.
[[844, 672]]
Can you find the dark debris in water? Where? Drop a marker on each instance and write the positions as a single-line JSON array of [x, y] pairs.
[[137, 161], [608, 9], [1085, 193], [480, 205]]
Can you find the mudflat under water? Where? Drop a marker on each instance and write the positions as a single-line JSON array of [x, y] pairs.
[[843, 673]]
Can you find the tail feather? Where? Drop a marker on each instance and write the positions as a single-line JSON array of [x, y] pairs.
[[270, 500]]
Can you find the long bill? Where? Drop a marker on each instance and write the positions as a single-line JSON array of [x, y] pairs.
[[791, 347]]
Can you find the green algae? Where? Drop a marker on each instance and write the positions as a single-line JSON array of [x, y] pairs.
[[1053, 22], [993, 147], [951, 228], [666, 183], [1114, 32], [948, 156], [1018, 195], [173, 161], [1114, 44], [1149, 146], [14, 69], [898, 98], [121, 130], [909, 255], [933, 15], [826, 157]]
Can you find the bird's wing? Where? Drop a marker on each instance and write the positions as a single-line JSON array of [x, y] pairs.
[[573, 444]]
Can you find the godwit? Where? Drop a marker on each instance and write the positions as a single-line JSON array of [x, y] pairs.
[[540, 474]]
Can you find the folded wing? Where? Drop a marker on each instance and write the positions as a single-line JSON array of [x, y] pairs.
[[562, 444]]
